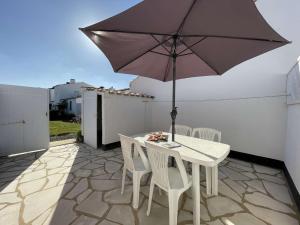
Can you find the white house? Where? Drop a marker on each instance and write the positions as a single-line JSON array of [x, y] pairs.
[[69, 92]]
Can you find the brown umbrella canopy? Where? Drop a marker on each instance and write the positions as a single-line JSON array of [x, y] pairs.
[[175, 39], [212, 37]]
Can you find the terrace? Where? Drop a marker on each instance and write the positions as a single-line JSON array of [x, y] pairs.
[[76, 184]]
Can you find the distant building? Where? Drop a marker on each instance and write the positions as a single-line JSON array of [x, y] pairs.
[[69, 94]]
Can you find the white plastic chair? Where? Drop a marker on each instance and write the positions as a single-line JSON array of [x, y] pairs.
[[136, 162], [182, 130], [174, 181], [210, 172]]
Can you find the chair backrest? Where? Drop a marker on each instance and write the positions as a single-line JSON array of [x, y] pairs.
[[132, 149], [182, 130], [207, 134], [158, 157]]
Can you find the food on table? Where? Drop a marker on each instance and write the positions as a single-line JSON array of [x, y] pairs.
[[158, 136]]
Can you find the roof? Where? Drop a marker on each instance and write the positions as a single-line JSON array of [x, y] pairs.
[[124, 92], [80, 83]]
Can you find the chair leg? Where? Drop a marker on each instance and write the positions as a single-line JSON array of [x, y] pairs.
[[208, 174], [150, 197], [136, 189], [123, 180], [173, 208]]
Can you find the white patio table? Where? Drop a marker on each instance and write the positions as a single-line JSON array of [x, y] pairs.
[[198, 152]]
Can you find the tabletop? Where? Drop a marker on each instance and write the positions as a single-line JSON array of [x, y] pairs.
[[195, 150]]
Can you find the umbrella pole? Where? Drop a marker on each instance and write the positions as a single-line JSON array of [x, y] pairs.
[[174, 108]]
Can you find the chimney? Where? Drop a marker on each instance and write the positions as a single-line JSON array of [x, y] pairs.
[[72, 81]]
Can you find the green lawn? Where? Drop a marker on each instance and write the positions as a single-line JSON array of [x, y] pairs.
[[61, 128]]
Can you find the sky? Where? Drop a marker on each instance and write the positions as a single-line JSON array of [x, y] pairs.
[[41, 46]]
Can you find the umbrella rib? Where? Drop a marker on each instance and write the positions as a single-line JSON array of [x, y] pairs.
[[149, 50], [212, 67], [202, 39], [191, 53], [184, 19], [159, 53], [188, 35], [159, 43]]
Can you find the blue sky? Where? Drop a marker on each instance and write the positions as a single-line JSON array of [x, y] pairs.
[[41, 46]]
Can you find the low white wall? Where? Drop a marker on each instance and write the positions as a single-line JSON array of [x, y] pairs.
[[254, 126], [292, 150], [122, 114]]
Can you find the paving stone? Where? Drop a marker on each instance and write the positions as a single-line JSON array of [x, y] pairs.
[[106, 222], [249, 174], [99, 171], [43, 217], [270, 216], [218, 222], [53, 180], [274, 179], [92, 166], [159, 215], [240, 190], [267, 170], [243, 219], [84, 195], [112, 167], [39, 202], [10, 214], [121, 214], [93, 205], [279, 192], [240, 167], [105, 185], [265, 201], [85, 220], [31, 187], [243, 163], [257, 185], [232, 174], [220, 206], [78, 189], [64, 213], [115, 197], [118, 175], [9, 198], [228, 192], [188, 205], [83, 173], [103, 176], [33, 176]]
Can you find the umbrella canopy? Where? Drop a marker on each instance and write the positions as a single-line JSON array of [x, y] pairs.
[[175, 39]]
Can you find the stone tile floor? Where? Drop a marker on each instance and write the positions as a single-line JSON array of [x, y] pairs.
[[75, 184]]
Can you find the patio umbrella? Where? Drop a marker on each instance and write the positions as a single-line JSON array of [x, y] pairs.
[[175, 39]]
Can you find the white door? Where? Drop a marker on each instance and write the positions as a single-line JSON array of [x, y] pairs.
[[24, 119], [89, 115]]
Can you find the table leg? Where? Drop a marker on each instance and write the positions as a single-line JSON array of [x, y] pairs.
[[196, 193], [208, 174], [214, 179]]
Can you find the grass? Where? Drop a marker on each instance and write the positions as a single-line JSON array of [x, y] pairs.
[[62, 128]]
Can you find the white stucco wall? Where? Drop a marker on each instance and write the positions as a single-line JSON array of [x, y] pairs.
[[292, 147], [122, 114], [292, 151], [247, 103]]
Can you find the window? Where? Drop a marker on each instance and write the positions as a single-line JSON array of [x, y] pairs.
[[70, 105]]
